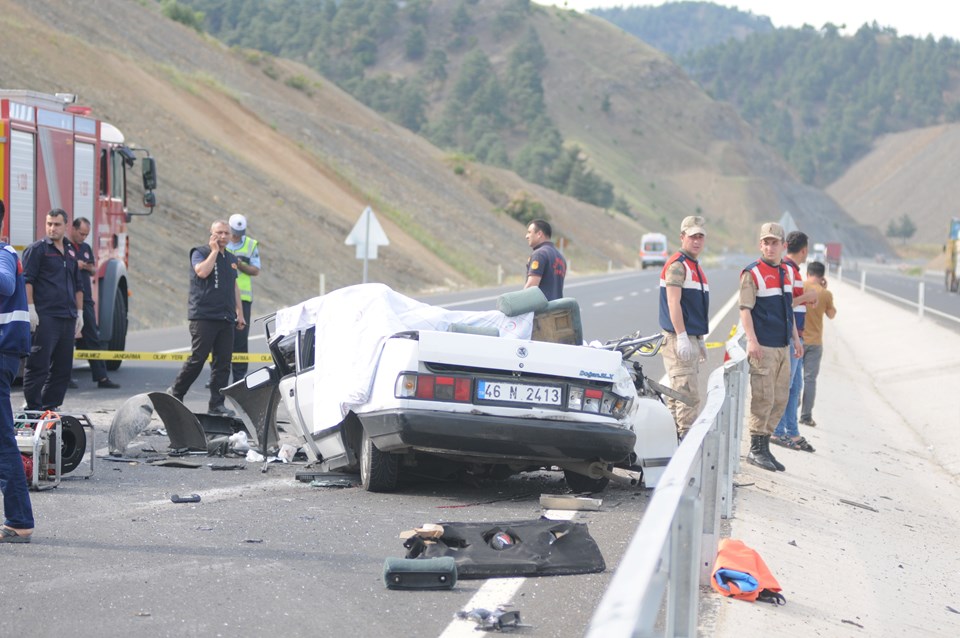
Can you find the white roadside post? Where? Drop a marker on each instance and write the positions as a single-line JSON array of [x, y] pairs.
[[920, 300], [367, 235]]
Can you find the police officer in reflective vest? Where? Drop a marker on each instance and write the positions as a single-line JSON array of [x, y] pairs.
[[247, 251], [684, 319], [14, 345], [766, 312]]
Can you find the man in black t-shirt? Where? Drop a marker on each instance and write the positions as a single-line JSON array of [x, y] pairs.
[[214, 310], [546, 267]]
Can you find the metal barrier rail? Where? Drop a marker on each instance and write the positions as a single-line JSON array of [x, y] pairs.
[[674, 548]]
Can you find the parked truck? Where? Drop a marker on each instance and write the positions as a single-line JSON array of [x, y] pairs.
[[55, 154], [951, 248], [834, 251]]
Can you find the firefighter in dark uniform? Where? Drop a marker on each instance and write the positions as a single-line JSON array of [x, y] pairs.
[[90, 335], [214, 310], [55, 298], [546, 267]]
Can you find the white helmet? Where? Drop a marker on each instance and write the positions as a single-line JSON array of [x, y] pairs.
[[238, 223]]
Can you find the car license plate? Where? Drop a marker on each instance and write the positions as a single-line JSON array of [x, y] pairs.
[[519, 393]]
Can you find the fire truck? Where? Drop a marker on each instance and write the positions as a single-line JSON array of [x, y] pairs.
[[55, 154]]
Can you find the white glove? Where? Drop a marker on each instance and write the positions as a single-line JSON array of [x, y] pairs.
[[79, 325], [34, 317], [684, 347]]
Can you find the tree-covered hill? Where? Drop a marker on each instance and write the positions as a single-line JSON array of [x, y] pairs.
[[822, 98], [496, 115], [681, 28], [819, 97]]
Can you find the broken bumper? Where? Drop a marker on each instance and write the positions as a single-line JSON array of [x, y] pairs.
[[496, 438]]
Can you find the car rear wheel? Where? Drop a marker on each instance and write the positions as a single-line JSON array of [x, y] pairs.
[[378, 470], [584, 484]]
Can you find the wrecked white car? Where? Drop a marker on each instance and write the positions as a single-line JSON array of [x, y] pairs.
[[378, 383]]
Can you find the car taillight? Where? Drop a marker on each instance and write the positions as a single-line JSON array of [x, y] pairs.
[[596, 401], [434, 387], [592, 399]]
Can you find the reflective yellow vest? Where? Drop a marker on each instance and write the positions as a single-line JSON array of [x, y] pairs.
[[244, 282]]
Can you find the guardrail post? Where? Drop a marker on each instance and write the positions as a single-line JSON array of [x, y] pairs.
[[863, 280], [499, 274], [713, 496], [323, 284], [729, 443], [683, 590], [920, 300]]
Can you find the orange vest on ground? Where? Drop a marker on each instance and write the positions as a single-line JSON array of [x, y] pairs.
[[734, 556]]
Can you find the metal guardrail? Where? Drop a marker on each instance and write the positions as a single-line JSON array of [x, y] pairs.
[[674, 548]]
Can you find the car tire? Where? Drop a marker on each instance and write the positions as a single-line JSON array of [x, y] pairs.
[[378, 470], [580, 484], [118, 342]]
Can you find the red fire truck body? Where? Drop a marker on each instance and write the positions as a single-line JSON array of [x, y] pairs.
[[53, 154]]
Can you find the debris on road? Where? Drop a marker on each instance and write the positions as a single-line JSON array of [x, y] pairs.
[[496, 620], [860, 505]]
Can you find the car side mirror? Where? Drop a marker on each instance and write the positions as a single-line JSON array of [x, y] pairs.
[[149, 199], [258, 378]]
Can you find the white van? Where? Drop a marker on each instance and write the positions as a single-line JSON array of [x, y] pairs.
[[653, 250]]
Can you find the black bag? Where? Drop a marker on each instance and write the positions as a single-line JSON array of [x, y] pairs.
[[432, 573]]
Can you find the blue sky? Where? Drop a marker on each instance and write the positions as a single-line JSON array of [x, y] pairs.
[[913, 17]]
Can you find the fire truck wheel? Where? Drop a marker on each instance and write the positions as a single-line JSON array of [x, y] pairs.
[[74, 443], [118, 341]]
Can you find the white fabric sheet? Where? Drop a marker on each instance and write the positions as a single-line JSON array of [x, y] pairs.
[[352, 325]]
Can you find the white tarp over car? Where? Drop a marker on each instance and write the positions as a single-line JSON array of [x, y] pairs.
[[352, 325]]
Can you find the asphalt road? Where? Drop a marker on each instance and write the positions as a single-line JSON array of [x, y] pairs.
[[890, 282], [264, 553]]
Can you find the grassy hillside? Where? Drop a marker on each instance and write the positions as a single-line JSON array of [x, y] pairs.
[[237, 131]]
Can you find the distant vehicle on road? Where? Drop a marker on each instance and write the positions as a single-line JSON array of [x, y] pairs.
[[653, 250]]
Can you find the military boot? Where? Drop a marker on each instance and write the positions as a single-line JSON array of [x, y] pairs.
[[757, 455], [766, 448]]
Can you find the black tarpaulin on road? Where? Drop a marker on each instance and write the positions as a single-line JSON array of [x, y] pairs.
[[531, 548]]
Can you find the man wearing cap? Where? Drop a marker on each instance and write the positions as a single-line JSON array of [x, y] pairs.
[[213, 310], [247, 251], [766, 312], [684, 318]]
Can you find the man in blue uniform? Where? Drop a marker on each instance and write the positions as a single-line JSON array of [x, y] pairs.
[[55, 298], [766, 312], [14, 345], [546, 267], [90, 335], [684, 319], [214, 309]]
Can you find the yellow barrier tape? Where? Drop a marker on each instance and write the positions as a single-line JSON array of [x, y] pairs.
[[120, 355]]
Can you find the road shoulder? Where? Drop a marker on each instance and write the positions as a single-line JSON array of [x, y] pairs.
[[859, 533]]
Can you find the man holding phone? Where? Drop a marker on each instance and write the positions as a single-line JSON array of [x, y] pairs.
[[214, 310], [813, 336]]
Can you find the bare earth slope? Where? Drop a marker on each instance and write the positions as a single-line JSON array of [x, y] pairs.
[[912, 173], [229, 138]]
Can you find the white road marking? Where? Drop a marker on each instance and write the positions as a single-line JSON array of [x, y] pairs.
[[618, 298], [597, 304]]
